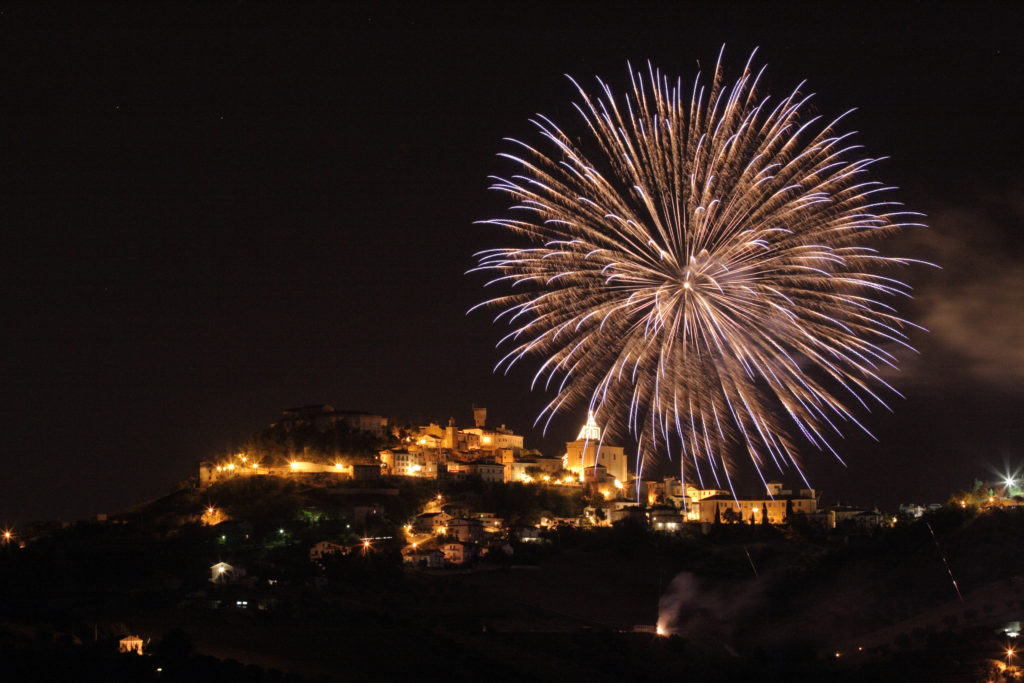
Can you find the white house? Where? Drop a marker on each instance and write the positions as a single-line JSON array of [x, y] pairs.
[[222, 572], [458, 553], [323, 548]]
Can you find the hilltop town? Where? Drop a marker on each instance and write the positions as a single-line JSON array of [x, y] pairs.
[[322, 446], [349, 529]]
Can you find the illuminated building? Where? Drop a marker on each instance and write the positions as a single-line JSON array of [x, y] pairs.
[[458, 552], [665, 518], [589, 449], [130, 644], [222, 572], [776, 503], [466, 530]]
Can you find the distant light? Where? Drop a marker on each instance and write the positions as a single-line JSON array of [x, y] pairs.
[[280, 531], [294, 465]]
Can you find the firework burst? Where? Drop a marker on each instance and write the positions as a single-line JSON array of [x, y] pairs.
[[697, 268]]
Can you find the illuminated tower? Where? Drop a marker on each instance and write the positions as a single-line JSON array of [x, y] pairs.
[[480, 416], [588, 450]]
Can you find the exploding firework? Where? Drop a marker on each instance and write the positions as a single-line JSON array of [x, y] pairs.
[[697, 268]]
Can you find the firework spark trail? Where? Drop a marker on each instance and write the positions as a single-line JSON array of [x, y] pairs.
[[700, 267], [949, 571]]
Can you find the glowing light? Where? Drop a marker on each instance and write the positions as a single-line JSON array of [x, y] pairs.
[[618, 484], [230, 466], [659, 629], [702, 267], [338, 465], [8, 535], [486, 439], [366, 543], [209, 510], [255, 465]]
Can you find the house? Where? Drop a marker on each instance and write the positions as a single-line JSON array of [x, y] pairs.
[[466, 530], [431, 523], [222, 572], [491, 522], [665, 518], [130, 644], [488, 471], [323, 549], [458, 553]]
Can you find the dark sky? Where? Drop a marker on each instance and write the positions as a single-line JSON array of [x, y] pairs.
[[212, 215]]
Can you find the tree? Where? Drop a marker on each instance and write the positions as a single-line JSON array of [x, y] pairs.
[[764, 515], [718, 515], [789, 510], [731, 516]]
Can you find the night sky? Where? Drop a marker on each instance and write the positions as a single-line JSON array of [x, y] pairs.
[[213, 215]]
